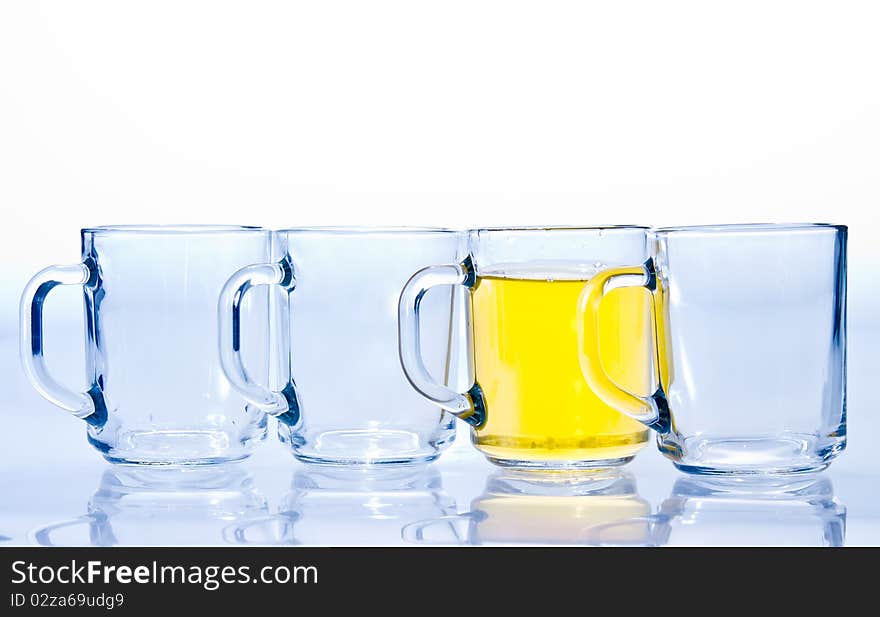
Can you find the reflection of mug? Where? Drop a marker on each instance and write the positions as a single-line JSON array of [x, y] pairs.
[[705, 512], [751, 346], [566, 508], [349, 507], [156, 393], [160, 507], [529, 405], [342, 397]]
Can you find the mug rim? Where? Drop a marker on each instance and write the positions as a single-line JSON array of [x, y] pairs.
[[174, 229], [723, 228]]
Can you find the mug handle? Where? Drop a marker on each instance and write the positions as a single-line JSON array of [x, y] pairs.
[[284, 404], [89, 405], [469, 406], [652, 410]]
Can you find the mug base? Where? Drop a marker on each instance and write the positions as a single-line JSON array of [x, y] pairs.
[[217, 460], [746, 471], [367, 447], [561, 465], [785, 455], [364, 462], [175, 448]]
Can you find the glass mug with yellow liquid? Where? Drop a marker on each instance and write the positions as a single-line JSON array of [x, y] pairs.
[[529, 405]]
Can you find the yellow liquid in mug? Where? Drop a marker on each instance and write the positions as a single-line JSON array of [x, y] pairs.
[[539, 407]]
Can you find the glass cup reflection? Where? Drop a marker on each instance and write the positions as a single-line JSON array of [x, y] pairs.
[[349, 507], [546, 508], [160, 506], [783, 512]]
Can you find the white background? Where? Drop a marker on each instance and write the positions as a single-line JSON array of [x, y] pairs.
[[447, 113], [454, 113]]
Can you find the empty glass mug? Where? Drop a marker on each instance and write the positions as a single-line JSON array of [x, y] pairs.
[[338, 391], [750, 346], [155, 391], [529, 405]]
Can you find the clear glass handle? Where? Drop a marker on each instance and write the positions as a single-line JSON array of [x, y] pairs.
[[653, 410], [80, 404], [229, 321], [469, 406]]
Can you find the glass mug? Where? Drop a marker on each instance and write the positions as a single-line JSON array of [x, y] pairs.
[[750, 346], [156, 393], [338, 392], [529, 405]]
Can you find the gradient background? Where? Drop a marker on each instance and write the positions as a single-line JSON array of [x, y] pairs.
[[434, 113]]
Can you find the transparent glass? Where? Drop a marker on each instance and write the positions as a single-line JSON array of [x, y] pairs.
[[161, 506], [751, 346], [366, 506], [546, 508], [338, 390], [155, 392], [529, 406]]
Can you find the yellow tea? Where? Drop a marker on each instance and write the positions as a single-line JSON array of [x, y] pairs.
[[539, 408]]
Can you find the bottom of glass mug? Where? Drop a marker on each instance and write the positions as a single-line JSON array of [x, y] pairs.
[[783, 455], [595, 452], [348, 462], [176, 448], [177, 462], [559, 465], [368, 447]]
